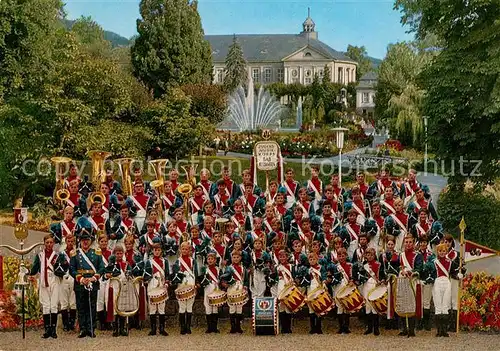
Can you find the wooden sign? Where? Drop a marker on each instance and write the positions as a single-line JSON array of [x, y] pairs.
[[266, 155]]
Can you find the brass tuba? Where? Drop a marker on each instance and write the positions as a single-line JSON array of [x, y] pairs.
[[97, 196], [159, 167], [61, 164], [158, 184], [190, 171], [124, 166], [98, 172]]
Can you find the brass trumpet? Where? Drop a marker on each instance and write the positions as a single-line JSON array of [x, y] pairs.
[[97, 196], [98, 172], [62, 195], [124, 166]]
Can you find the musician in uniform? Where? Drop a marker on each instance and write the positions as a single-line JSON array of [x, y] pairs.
[[64, 228], [260, 268], [184, 272], [344, 275], [102, 294], [140, 203], [146, 240], [453, 255], [75, 200], [411, 263], [390, 262], [314, 187], [210, 279], [117, 268], [67, 299], [246, 177], [425, 322], [86, 268], [396, 224], [283, 276], [170, 201], [354, 229], [235, 278], [156, 275], [292, 188], [173, 177], [205, 182], [440, 270], [114, 186], [372, 274], [123, 226], [48, 285], [317, 275], [221, 199]]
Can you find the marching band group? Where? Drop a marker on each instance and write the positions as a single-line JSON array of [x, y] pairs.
[[376, 249]]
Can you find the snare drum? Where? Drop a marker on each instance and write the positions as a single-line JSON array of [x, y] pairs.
[[378, 299], [237, 298], [217, 298], [157, 295], [292, 298], [320, 301], [185, 292], [350, 298]]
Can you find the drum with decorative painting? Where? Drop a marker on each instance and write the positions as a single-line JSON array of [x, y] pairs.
[[350, 298], [292, 298], [320, 301], [185, 292], [377, 297], [217, 298], [237, 297], [265, 316]]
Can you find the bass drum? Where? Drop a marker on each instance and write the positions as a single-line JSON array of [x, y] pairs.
[[265, 316]]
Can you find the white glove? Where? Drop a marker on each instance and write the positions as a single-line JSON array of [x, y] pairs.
[[460, 276]]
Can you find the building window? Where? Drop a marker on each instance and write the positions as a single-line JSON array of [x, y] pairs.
[[307, 54], [320, 73], [256, 75], [308, 81], [340, 76], [268, 75], [295, 80], [220, 76], [366, 98], [280, 75], [364, 112]]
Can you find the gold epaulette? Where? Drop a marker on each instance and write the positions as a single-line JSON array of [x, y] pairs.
[[98, 252]]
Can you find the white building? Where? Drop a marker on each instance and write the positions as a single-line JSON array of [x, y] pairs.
[[365, 94], [288, 58]]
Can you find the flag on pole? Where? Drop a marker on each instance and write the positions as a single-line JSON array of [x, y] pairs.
[[475, 251]]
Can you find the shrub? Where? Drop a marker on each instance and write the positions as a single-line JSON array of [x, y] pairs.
[[481, 213]]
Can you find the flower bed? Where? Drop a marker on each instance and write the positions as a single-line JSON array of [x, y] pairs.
[[319, 143], [480, 303]]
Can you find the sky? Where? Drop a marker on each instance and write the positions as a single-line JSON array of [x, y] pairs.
[[372, 23]]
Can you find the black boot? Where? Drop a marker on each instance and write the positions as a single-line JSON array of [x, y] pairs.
[[232, 318], [215, 321], [188, 322], [452, 321], [312, 323], [152, 321], [369, 324], [53, 321], [376, 324], [404, 328], [116, 326], [318, 328], [182, 323], [288, 323], [439, 324], [161, 328], [72, 319], [347, 322], [444, 322], [209, 324], [123, 327], [411, 330], [65, 320], [340, 317], [239, 319], [46, 326], [427, 319]]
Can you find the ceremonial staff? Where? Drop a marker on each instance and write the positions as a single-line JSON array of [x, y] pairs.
[[462, 227], [21, 234]]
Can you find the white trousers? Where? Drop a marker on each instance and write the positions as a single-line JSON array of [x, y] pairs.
[[454, 294], [156, 308], [441, 293], [233, 308], [102, 295], [427, 295], [186, 306], [365, 290], [258, 286], [49, 296], [208, 308], [67, 297]]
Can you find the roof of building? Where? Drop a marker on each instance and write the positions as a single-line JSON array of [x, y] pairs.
[[269, 47], [372, 75]]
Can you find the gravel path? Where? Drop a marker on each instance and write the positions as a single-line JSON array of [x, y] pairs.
[[298, 341]]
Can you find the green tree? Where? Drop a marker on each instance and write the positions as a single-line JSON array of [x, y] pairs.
[[359, 54], [326, 75], [236, 68], [91, 35], [399, 96], [181, 134], [207, 100], [170, 49], [462, 85]]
